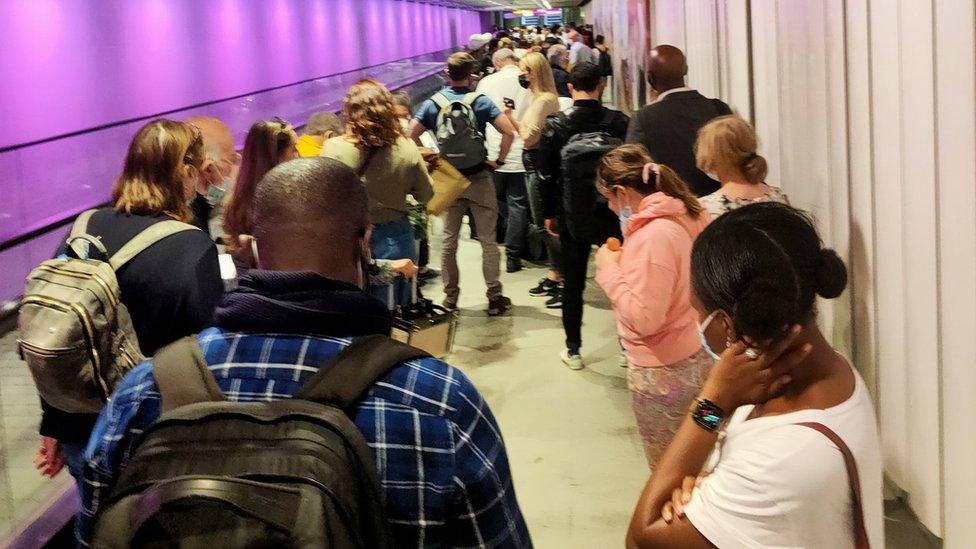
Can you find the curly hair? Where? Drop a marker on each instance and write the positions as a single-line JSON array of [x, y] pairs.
[[369, 113], [151, 182]]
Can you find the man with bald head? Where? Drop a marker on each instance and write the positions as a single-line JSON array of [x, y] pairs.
[[218, 173], [669, 126], [439, 453]]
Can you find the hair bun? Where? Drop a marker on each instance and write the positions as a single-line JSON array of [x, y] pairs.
[[761, 312], [831, 275]]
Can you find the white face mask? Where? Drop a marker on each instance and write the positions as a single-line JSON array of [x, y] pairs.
[[624, 216], [216, 193], [701, 333], [254, 252], [405, 125]]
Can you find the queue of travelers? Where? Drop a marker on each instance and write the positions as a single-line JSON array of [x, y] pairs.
[[711, 274]]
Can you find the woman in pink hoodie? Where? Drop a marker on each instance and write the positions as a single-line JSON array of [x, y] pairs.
[[648, 283]]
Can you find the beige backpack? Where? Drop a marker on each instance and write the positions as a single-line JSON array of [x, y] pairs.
[[74, 331]]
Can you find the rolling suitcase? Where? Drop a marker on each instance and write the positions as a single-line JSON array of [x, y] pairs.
[[423, 325]]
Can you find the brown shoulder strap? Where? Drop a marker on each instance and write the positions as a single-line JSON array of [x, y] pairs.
[[370, 153], [182, 375], [857, 508], [344, 379]]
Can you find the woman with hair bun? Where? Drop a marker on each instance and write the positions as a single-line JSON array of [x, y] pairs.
[[726, 150], [799, 455], [648, 283]]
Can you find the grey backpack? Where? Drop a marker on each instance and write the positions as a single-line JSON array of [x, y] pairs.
[[458, 139], [293, 472], [74, 331]]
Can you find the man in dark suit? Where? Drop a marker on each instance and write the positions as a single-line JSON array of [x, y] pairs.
[[669, 126]]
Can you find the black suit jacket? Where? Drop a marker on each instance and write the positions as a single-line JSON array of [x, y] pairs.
[[669, 128]]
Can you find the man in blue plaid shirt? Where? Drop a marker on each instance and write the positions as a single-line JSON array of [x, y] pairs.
[[439, 452]]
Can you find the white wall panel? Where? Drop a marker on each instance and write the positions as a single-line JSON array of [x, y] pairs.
[[866, 111], [919, 260], [955, 85]]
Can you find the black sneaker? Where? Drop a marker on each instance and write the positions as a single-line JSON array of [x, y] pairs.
[[449, 304], [555, 300], [499, 305], [513, 265], [545, 287]]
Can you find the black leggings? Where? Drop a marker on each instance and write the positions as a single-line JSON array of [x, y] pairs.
[[575, 259]]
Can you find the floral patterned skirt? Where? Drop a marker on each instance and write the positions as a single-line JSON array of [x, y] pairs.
[[660, 397]]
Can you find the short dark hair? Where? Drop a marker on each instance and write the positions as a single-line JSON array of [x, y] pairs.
[[585, 77], [305, 191], [764, 264], [460, 65]]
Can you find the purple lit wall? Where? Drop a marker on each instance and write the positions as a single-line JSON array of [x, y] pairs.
[[69, 65], [79, 67]]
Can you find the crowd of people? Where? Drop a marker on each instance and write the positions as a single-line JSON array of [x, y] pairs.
[[712, 276]]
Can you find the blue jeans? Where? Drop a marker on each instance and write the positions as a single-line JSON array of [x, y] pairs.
[[394, 240], [513, 208], [73, 454]]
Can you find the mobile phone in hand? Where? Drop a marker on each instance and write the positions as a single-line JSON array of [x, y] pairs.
[[509, 102]]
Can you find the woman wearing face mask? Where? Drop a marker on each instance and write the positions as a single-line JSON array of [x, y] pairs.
[[726, 147], [391, 167], [799, 462], [537, 77], [170, 289], [268, 143], [648, 285]]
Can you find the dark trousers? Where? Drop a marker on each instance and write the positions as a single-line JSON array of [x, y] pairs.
[[576, 257], [513, 211], [553, 248]]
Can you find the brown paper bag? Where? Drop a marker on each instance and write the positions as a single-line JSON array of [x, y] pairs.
[[449, 185]]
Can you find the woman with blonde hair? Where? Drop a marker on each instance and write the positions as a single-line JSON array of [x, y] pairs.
[[391, 167], [537, 77], [268, 143], [726, 147], [170, 288], [649, 286]]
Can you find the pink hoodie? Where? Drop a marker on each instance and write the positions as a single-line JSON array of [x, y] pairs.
[[651, 287]]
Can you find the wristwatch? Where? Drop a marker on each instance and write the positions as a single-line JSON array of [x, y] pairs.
[[707, 414], [500, 162]]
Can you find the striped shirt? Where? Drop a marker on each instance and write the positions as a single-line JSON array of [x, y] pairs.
[[439, 452]]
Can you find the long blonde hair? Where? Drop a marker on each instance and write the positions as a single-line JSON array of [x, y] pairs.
[[369, 113], [632, 166], [152, 177], [730, 142], [537, 64]]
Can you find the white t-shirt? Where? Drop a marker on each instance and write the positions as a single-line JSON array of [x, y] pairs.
[[498, 86], [777, 484], [580, 53]]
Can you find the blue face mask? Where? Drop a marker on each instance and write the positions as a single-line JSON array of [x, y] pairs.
[[701, 333], [624, 219]]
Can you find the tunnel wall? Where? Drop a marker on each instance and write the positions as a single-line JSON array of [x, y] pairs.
[[71, 98], [70, 65]]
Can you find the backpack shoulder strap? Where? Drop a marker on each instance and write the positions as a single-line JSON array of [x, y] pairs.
[[440, 100], [147, 238], [79, 233], [344, 379], [860, 530], [182, 375], [80, 226], [470, 98]]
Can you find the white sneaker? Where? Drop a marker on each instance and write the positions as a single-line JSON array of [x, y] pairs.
[[572, 361]]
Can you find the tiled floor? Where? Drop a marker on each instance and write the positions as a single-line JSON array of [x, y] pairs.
[[575, 454]]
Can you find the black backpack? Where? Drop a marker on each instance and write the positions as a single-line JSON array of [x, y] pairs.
[[606, 64], [211, 473], [588, 216]]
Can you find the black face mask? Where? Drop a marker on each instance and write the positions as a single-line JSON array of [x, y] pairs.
[[524, 82]]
